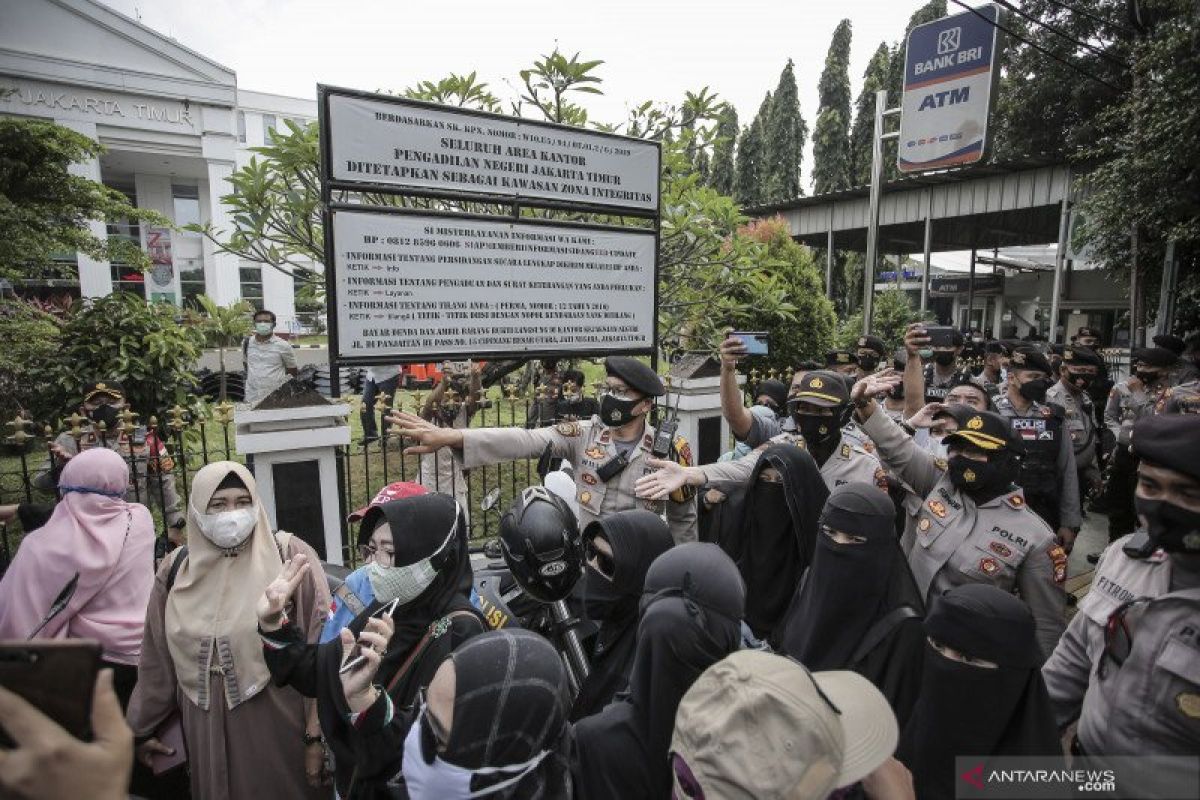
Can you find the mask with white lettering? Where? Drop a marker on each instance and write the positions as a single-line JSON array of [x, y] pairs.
[[1171, 527], [429, 777], [263, 328], [228, 529]]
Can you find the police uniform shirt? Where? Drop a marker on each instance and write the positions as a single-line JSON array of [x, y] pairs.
[[936, 388], [1150, 703], [847, 463], [589, 445], [1181, 399], [1126, 406], [952, 541], [1081, 423], [1035, 427]]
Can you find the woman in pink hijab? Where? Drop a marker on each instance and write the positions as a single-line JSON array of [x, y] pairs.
[[110, 544]]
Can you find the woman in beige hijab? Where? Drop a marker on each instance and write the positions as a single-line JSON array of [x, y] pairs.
[[202, 656]]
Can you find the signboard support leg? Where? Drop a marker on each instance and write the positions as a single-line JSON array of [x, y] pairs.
[[829, 256], [971, 291], [928, 245], [873, 214], [1060, 258]]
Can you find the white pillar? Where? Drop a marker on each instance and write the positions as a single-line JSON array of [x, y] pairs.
[[95, 277], [221, 281]]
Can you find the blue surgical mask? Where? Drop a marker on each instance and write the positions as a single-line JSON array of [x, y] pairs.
[[263, 328]]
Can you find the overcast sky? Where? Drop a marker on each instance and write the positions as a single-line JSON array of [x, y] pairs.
[[653, 49]]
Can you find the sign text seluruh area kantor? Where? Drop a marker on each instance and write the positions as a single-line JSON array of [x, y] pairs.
[[949, 80]]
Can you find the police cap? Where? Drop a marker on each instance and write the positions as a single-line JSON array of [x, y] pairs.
[[1029, 358], [110, 388], [1169, 440], [822, 388], [1155, 357], [873, 343], [839, 358], [1088, 332], [1079, 356], [984, 430], [637, 376]]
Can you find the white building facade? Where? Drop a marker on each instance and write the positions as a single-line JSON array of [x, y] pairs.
[[174, 126]]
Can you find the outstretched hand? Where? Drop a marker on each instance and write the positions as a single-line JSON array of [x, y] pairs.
[[372, 642], [428, 437], [668, 476], [278, 593], [875, 384]]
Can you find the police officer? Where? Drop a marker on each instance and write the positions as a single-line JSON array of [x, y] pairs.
[[1048, 474], [1080, 367], [843, 362], [1129, 401], [1181, 399], [995, 360], [819, 406], [945, 371], [1128, 666], [610, 451], [974, 525], [151, 480], [871, 352]]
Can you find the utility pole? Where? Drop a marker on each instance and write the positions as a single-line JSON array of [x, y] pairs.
[[881, 111]]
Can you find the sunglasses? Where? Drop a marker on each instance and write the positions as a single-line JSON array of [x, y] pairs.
[[603, 562]]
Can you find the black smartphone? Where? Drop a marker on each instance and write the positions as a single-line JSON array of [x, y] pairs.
[[940, 335], [56, 677], [355, 657], [758, 343]]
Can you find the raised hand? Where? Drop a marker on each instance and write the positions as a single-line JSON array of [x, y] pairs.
[[732, 350], [373, 642], [924, 417], [668, 477], [428, 437], [915, 339], [279, 591], [876, 383]]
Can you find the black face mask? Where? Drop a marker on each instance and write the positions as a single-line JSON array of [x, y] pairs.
[[615, 413], [106, 414], [868, 363], [817, 431], [1081, 382], [979, 479], [945, 357], [1171, 527], [1034, 391], [1148, 378]]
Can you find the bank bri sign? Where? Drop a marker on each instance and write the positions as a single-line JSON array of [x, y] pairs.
[[949, 81]]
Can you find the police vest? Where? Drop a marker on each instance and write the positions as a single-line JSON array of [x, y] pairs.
[[1042, 435], [937, 394]]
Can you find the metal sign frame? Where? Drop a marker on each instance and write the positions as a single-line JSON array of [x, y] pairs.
[[514, 203]]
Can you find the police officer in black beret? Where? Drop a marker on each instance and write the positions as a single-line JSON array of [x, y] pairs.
[[1128, 667], [1080, 367], [1048, 472], [871, 351], [610, 451]]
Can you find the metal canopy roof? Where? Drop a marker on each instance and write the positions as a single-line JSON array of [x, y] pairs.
[[982, 207]]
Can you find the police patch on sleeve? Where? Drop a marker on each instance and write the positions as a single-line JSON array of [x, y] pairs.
[[571, 429], [1058, 557], [941, 464]]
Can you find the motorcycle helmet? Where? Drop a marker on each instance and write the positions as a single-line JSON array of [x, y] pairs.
[[541, 544]]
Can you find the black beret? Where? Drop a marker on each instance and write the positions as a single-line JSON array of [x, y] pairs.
[[1082, 356], [1155, 357], [1171, 342], [836, 358], [1029, 358], [103, 387], [995, 346], [1092, 332], [822, 388], [636, 375], [985, 430], [872, 343], [776, 390], [1169, 440]]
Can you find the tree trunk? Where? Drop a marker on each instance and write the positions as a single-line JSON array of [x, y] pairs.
[[221, 360]]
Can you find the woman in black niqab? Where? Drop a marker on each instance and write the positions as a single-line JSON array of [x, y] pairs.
[[858, 606], [966, 709], [769, 528], [636, 537], [690, 619], [423, 526]]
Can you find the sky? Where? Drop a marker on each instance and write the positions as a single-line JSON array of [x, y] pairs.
[[652, 49]]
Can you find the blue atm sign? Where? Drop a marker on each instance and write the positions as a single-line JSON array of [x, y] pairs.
[[949, 70]]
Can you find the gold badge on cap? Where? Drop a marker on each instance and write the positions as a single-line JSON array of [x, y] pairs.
[[1189, 704], [969, 476], [975, 423], [817, 383]]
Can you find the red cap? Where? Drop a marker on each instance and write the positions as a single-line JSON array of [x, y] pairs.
[[393, 491]]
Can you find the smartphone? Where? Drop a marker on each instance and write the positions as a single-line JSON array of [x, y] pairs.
[[758, 343], [56, 677], [356, 658], [940, 335]]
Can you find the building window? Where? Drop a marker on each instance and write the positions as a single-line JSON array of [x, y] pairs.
[[252, 285], [268, 126], [187, 207], [126, 278], [191, 281], [242, 127]]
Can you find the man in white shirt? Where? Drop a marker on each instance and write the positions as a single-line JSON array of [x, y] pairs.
[[269, 359]]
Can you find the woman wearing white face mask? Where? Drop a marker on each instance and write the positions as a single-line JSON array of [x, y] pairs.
[[202, 656]]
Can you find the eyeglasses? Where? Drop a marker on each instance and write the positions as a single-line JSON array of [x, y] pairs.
[[381, 556], [603, 562], [1118, 639]]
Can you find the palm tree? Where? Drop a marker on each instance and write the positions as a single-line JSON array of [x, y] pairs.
[[223, 326]]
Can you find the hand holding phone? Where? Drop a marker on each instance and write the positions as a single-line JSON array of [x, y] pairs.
[[354, 657], [372, 644]]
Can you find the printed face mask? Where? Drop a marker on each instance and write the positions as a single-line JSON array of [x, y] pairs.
[[978, 478], [406, 583], [427, 776], [816, 430], [615, 412], [228, 529]]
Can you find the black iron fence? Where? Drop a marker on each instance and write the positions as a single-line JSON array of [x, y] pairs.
[[165, 453]]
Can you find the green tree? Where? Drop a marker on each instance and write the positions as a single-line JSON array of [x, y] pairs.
[[892, 313], [30, 339], [222, 327], [786, 132], [464, 91], [753, 159], [723, 176], [831, 136], [874, 79], [122, 337], [45, 211]]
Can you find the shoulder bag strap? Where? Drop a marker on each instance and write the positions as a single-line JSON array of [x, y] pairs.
[[879, 631]]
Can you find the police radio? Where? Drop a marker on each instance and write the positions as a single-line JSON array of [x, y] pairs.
[[664, 434]]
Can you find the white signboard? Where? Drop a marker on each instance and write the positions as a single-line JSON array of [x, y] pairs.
[[402, 145], [948, 78], [414, 287]]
